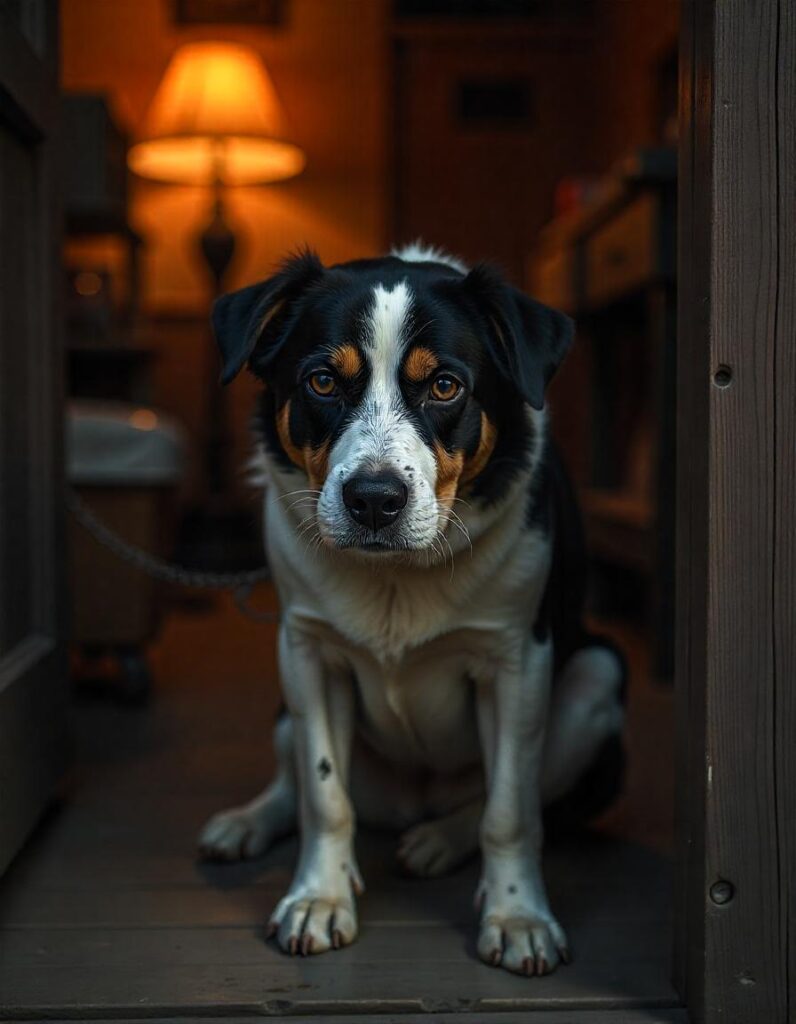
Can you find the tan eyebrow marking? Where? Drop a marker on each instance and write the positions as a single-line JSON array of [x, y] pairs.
[[420, 363], [346, 360]]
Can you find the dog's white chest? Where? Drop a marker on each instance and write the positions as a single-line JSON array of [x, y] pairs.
[[419, 710]]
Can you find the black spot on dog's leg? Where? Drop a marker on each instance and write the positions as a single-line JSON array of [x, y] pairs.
[[512, 889], [324, 768]]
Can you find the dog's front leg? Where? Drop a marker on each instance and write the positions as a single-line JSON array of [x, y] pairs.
[[319, 911], [517, 928]]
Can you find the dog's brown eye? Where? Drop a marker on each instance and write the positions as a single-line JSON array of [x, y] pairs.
[[322, 384], [445, 388]]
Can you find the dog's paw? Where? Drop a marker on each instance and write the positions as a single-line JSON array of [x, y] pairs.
[[428, 851], [314, 918], [241, 833], [521, 938]]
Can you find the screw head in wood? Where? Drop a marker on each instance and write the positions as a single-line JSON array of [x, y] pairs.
[[722, 892]]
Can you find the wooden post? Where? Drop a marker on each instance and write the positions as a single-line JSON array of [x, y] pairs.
[[735, 956]]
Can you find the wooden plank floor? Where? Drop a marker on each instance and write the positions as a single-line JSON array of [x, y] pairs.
[[107, 914]]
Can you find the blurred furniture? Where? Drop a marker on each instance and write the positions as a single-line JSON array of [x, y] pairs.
[[102, 250], [125, 462], [115, 372], [106, 357], [611, 265]]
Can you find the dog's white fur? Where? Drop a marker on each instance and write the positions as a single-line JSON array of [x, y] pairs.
[[380, 437], [450, 683]]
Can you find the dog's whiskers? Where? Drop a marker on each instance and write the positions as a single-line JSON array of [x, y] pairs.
[[306, 491], [307, 502], [456, 520]]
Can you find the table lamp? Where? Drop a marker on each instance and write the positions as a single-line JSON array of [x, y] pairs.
[[215, 120]]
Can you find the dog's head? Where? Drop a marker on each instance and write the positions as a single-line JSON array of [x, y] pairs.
[[393, 387]]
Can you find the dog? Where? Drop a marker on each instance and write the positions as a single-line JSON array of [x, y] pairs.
[[423, 539]]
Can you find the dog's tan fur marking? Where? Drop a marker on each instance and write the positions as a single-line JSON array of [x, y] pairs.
[[347, 361], [420, 364], [317, 464], [294, 453], [449, 470], [271, 313], [453, 470], [476, 463], [314, 461]]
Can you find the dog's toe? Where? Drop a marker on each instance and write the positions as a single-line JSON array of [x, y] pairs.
[[313, 925], [232, 835], [522, 945]]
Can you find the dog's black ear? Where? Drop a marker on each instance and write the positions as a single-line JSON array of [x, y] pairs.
[[526, 339], [251, 324]]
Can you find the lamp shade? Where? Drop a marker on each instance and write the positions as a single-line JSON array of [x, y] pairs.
[[215, 118]]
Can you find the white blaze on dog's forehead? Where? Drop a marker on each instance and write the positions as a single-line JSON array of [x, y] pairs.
[[380, 435], [386, 330], [419, 252]]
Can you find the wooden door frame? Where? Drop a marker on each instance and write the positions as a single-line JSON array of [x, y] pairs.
[[735, 949], [33, 673]]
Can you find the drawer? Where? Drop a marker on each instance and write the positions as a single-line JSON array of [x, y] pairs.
[[551, 279], [623, 255]]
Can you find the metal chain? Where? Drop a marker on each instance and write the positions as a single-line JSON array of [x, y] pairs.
[[169, 572]]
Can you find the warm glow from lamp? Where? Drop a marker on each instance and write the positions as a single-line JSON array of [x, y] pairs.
[[215, 118]]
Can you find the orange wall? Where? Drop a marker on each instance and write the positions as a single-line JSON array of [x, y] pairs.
[[329, 66]]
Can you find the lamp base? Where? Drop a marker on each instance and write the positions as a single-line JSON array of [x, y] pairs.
[[217, 244]]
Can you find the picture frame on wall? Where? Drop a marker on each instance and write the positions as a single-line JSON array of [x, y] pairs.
[[230, 12]]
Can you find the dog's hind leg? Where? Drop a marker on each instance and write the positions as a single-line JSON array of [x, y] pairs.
[[249, 830], [446, 834], [586, 714], [433, 848]]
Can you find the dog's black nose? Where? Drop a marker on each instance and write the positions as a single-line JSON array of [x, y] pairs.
[[375, 501]]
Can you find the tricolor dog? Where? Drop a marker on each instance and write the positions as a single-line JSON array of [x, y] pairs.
[[423, 540]]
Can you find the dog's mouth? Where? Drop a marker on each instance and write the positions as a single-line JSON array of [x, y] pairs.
[[374, 547], [367, 544]]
